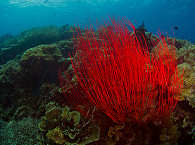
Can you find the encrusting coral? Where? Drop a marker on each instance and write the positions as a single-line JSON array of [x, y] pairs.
[[60, 125]]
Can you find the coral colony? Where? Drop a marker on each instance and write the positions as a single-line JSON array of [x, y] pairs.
[[123, 79]]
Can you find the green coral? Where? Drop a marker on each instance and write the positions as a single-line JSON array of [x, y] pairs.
[[23, 132], [60, 125]]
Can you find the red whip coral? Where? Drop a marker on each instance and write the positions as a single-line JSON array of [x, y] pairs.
[[121, 77]]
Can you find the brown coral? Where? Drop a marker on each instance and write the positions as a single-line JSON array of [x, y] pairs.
[[188, 70], [61, 125]]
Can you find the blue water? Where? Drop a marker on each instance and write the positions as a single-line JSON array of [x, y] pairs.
[[158, 15]]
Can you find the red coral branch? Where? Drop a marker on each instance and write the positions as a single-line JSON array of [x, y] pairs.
[[121, 77]]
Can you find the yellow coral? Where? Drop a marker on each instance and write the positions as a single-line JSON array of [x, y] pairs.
[[189, 81], [186, 92], [75, 116], [65, 113], [51, 119], [191, 99], [60, 126], [186, 68], [193, 67], [53, 114], [56, 135]]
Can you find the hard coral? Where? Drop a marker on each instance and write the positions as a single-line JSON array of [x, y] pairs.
[[23, 132], [63, 126], [11, 47], [188, 68], [122, 78], [56, 135]]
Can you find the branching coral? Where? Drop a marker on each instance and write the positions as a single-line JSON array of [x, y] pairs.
[[121, 77]]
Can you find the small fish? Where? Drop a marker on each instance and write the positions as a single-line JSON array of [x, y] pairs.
[[175, 27], [142, 28]]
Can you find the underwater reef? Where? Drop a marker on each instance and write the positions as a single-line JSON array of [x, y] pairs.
[[11, 46], [43, 102]]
